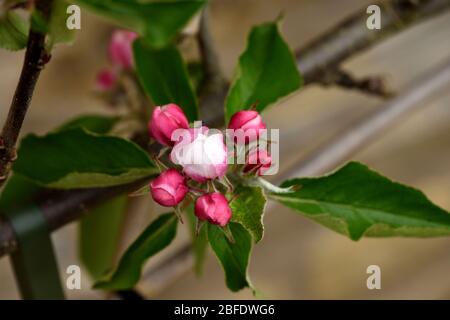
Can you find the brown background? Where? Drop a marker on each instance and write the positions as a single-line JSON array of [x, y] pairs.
[[297, 259]]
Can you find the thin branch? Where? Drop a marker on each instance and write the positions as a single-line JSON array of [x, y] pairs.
[[35, 59], [352, 36], [209, 56], [167, 271], [214, 86], [364, 131], [372, 85]]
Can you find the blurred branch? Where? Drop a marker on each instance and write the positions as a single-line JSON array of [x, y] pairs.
[[167, 271], [35, 59], [352, 36], [11, 5], [358, 135], [214, 86], [373, 85], [62, 207]]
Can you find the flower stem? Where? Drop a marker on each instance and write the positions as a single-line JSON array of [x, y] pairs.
[[179, 213]]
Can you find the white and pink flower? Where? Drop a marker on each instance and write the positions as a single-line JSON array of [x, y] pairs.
[[201, 152]]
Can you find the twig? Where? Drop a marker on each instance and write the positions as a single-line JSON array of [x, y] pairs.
[[214, 86], [210, 59], [166, 272], [352, 36], [373, 85], [35, 59]]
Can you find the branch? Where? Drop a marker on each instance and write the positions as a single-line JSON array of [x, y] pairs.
[[357, 136], [352, 36], [373, 85], [62, 207], [214, 86], [35, 58]]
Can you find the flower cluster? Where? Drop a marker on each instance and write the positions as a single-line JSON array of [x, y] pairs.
[[199, 158]]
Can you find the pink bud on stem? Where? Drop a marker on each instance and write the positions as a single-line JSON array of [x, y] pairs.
[[169, 188], [165, 120], [250, 122], [214, 208], [121, 49]]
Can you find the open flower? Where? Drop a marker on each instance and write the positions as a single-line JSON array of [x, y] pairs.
[[169, 188], [213, 208], [121, 49], [201, 152], [165, 120]]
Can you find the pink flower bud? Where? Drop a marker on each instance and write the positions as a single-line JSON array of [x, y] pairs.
[[165, 120], [250, 122], [169, 188], [258, 161], [202, 153], [121, 48], [106, 80], [214, 208]]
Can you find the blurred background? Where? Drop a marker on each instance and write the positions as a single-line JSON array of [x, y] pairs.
[[297, 258]]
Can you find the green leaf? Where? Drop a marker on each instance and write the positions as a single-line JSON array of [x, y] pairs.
[[248, 210], [13, 31], [158, 20], [199, 242], [163, 75], [266, 72], [234, 257], [99, 232], [94, 123], [158, 235], [357, 201], [77, 159], [57, 25]]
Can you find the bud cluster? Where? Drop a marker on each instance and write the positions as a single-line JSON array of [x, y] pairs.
[[199, 159]]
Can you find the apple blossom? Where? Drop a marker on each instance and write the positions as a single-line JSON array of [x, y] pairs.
[[165, 120], [201, 152], [169, 188], [214, 208]]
